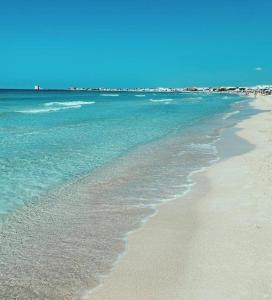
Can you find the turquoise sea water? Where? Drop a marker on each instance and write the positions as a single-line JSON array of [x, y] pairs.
[[81, 169], [48, 138]]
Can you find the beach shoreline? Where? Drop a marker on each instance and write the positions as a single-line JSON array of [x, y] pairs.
[[213, 243], [79, 223]]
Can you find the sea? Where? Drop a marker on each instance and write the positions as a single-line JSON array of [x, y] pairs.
[[80, 170]]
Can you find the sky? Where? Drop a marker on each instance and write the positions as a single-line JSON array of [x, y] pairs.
[[143, 43]]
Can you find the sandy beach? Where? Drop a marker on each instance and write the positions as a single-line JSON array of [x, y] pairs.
[[215, 242]]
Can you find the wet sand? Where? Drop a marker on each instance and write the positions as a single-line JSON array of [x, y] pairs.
[[213, 243]]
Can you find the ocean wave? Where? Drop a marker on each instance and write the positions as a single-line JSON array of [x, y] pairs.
[[56, 106], [109, 95], [46, 110], [69, 103], [161, 100], [230, 114], [139, 95]]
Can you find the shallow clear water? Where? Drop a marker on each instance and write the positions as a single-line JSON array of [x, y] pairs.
[[48, 138], [80, 170]]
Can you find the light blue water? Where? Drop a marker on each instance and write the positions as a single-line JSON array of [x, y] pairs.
[[79, 170], [48, 138]]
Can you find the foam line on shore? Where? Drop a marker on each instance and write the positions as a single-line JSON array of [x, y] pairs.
[[192, 237]]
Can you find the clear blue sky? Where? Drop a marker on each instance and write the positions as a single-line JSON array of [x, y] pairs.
[[135, 43]]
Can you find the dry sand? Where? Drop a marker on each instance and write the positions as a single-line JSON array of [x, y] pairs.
[[214, 243]]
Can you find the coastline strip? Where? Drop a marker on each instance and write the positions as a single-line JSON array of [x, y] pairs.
[[214, 243]]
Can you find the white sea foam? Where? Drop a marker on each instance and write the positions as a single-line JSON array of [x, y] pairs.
[[161, 100], [56, 106], [139, 95], [228, 115], [109, 95], [46, 110], [69, 103]]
